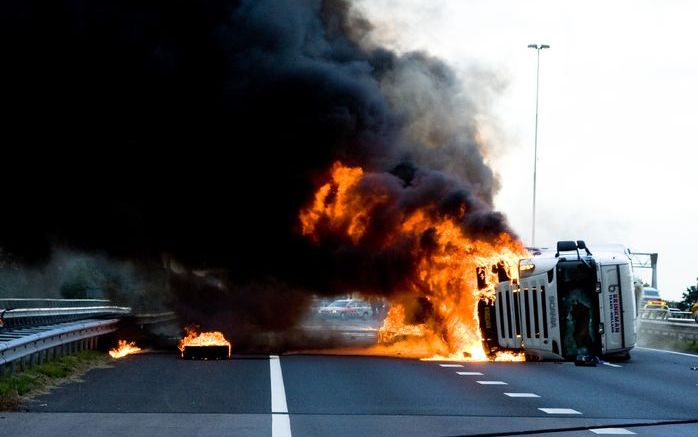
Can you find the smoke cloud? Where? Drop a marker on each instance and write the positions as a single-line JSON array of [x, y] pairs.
[[197, 131]]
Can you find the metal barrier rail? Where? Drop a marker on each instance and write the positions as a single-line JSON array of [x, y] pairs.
[[153, 318], [660, 314], [41, 316], [38, 347], [669, 329], [21, 302]]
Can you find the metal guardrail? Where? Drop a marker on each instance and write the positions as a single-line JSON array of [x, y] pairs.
[[16, 318], [56, 311], [670, 328], [36, 330], [37, 347], [53, 312], [21, 302], [661, 314], [154, 318]]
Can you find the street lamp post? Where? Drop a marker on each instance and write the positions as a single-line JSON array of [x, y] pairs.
[[538, 48]]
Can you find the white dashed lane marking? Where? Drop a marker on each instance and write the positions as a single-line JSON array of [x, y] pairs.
[[611, 365], [559, 411], [522, 395], [533, 395], [611, 431]]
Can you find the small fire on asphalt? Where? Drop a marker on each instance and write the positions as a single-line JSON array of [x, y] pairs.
[[124, 348]]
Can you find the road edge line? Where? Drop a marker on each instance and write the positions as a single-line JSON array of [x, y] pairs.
[[669, 352]]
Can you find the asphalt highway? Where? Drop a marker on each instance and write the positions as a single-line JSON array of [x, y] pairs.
[[655, 393]]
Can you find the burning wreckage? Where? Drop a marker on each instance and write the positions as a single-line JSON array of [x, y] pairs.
[[551, 305], [204, 346]]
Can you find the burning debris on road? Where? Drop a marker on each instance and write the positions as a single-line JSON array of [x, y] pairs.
[[124, 348], [204, 346]]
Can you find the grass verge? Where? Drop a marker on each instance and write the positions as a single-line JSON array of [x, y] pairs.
[[37, 379]]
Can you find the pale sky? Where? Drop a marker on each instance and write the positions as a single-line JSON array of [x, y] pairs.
[[617, 121]]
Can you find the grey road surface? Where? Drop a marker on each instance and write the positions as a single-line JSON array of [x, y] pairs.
[[656, 393]]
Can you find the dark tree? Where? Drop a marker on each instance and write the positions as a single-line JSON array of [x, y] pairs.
[[690, 297]]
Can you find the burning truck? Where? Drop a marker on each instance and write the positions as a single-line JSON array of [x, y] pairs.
[[565, 305]]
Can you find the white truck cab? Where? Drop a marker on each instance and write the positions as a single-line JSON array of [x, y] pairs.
[[566, 304]]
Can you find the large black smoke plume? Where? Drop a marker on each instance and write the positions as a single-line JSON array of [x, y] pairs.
[[196, 131]]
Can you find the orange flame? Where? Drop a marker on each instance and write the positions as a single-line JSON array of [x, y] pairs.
[[124, 348], [193, 338], [445, 274], [336, 203]]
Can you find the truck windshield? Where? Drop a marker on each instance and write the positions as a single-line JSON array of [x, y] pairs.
[[579, 308]]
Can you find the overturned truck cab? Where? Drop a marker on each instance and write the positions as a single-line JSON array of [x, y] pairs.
[[565, 305]]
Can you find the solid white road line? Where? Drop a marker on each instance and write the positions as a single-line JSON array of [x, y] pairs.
[[492, 382], [470, 373], [669, 352], [280, 421], [612, 431], [522, 395], [611, 364], [559, 411], [451, 365], [280, 425], [278, 393]]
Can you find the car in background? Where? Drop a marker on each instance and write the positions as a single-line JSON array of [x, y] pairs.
[[655, 309], [649, 294], [346, 309]]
